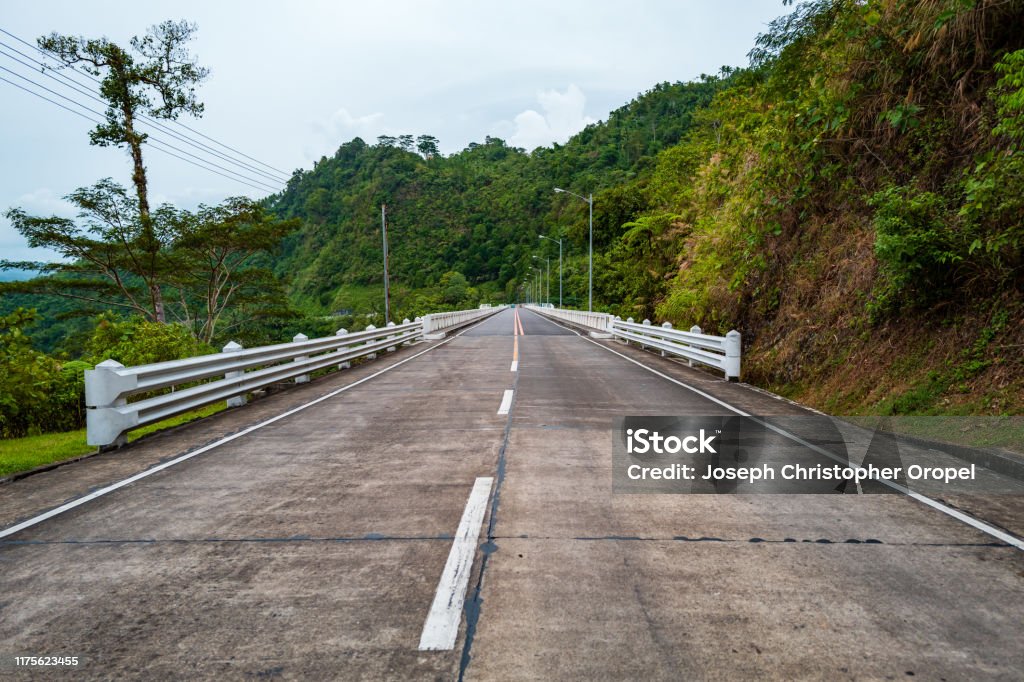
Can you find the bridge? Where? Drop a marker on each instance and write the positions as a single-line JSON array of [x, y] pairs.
[[446, 511]]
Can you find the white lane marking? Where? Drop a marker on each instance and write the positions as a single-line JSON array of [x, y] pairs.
[[206, 448], [515, 366], [442, 625], [506, 402], [1011, 540]]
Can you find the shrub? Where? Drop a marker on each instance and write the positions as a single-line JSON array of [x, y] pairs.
[[136, 341], [916, 249], [38, 394]]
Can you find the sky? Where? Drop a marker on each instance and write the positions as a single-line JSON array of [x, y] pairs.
[[290, 82]]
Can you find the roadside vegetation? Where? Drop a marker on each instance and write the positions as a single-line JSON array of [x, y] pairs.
[[852, 201], [30, 452]]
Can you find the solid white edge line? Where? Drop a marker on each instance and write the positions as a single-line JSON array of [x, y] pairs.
[[506, 402], [934, 504], [441, 628], [515, 366], [206, 448]]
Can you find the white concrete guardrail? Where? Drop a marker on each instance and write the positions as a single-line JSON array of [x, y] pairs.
[[110, 416], [720, 352]]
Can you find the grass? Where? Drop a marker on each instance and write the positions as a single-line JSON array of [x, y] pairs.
[[23, 454], [1005, 433]]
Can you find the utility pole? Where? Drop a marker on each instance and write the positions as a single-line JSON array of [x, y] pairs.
[[387, 292], [590, 285], [547, 281], [559, 242], [590, 276]]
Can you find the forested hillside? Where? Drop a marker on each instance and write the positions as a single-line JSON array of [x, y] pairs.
[[472, 218], [851, 202]]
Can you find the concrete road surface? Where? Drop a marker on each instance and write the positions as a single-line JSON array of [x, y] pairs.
[[344, 542]]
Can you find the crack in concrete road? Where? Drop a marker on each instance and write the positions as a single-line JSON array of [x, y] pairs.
[[371, 537], [753, 540]]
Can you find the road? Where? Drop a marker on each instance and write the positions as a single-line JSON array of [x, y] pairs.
[[315, 546]]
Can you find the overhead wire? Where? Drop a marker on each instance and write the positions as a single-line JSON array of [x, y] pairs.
[[150, 138], [56, 58], [84, 89], [92, 120], [81, 88]]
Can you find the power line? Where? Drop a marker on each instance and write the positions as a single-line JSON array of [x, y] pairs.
[[208, 169], [80, 88], [240, 178], [57, 59], [92, 120]]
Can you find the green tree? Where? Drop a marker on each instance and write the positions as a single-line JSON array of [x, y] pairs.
[[208, 257], [155, 78], [427, 146], [214, 251], [454, 287], [110, 259], [37, 393]]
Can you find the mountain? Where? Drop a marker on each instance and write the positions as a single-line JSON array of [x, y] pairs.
[[850, 202], [477, 213]]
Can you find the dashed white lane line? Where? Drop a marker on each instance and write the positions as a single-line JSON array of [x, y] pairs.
[[506, 402], [442, 625], [515, 366]]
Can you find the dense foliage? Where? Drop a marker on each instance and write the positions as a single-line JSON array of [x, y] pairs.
[[475, 214], [863, 175], [852, 201], [40, 394]]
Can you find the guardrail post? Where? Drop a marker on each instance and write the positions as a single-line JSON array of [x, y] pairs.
[[238, 400], [429, 333], [302, 378], [370, 356], [406, 343], [693, 330], [104, 427], [732, 355], [646, 323], [391, 349], [665, 325], [346, 364]]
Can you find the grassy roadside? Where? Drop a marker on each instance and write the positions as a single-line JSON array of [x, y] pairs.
[[23, 454]]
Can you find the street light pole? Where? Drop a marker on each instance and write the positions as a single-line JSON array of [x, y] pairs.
[[559, 266], [387, 286], [547, 278], [590, 276]]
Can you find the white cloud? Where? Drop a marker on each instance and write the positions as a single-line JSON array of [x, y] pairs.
[[45, 202], [342, 126], [563, 117]]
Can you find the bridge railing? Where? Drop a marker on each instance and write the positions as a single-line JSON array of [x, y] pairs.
[[436, 322], [108, 387], [597, 321], [720, 352]]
